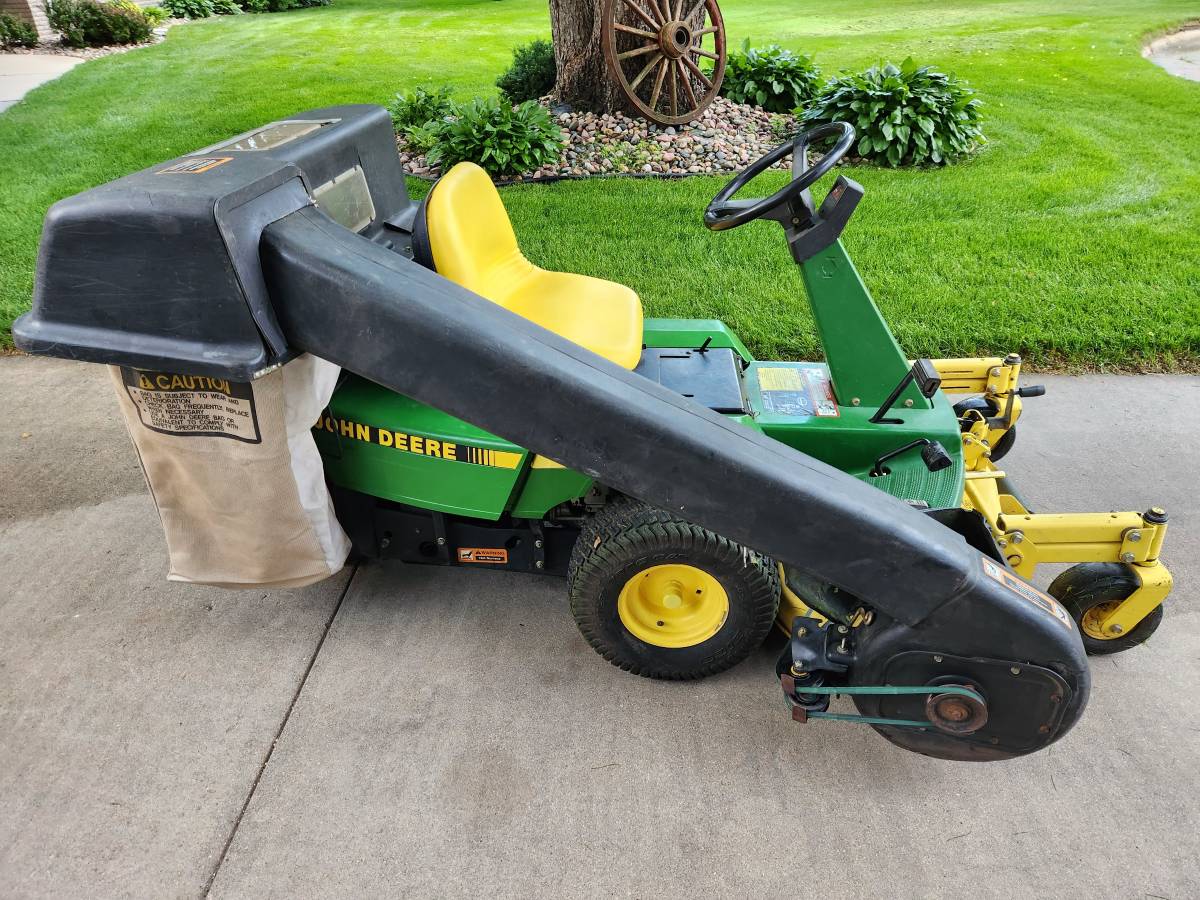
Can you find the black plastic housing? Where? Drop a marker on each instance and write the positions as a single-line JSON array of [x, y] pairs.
[[160, 269]]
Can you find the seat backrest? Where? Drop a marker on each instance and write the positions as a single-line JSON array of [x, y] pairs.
[[470, 237]]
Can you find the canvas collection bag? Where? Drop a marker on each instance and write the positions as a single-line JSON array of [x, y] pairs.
[[235, 472]]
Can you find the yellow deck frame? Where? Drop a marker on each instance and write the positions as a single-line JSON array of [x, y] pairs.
[[1030, 539]]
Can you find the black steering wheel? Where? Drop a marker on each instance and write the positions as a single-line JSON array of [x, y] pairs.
[[724, 212]]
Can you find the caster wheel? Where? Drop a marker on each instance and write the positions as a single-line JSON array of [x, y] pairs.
[[1090, 591], [989, 409], [663, 598], [1004, 444]]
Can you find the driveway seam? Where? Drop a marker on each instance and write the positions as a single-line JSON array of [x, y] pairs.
[[212, 876]]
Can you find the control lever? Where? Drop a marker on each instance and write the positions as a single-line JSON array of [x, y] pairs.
[[933, 454], [927, 380]]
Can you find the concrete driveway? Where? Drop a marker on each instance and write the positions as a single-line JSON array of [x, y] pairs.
[[20, 73], [418, 732]]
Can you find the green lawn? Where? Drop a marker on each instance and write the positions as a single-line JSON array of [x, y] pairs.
[[1074, 237]]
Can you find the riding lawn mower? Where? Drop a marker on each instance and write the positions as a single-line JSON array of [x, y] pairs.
[[472, 409]]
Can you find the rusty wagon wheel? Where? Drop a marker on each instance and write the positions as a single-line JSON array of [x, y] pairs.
[[655, 49]]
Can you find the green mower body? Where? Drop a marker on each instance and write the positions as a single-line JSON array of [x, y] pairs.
[[386, 446]]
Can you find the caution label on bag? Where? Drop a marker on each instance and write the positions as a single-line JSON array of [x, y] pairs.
[[193, 405]]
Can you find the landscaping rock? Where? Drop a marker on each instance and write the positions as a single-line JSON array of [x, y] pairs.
[[725, 137]]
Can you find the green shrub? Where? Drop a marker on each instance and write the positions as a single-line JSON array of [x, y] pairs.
[[156, 14], [84, 23], [126, 26], [423, 138], [904, 115], [505, 140], [531, 74], [225, 8], [771, 77], [188, 9], [266, 6], [15, 32], [419, 107]]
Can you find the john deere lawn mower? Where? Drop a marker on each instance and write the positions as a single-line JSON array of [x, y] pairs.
[[474, 410]]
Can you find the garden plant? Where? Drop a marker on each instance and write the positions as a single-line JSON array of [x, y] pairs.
[[776, 79], [16, 33], [906, 114], [531, 74], [88, 23]]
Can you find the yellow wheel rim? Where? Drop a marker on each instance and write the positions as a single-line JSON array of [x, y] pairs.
[[673, 605], [1090, 623]]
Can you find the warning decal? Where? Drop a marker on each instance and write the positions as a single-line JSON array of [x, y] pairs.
[[193, 405], [796, 389], [482, 555], [194, 166], [1029, 592], [820, 391]]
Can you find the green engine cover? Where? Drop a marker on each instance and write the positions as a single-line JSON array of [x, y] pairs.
[[386, 445]]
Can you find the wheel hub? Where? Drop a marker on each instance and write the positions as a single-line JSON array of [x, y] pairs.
[[1091, 621], [673, 605], [675, 39]]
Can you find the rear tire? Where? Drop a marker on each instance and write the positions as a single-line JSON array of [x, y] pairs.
[[631, 558], [1085, 588]]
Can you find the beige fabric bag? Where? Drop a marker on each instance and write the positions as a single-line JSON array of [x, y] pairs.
[[236, 474]]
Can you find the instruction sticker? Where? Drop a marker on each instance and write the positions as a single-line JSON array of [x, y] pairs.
[[797, 390], [820, 391], [193, 405], [1028, 591], [492, 555], [195, 166]]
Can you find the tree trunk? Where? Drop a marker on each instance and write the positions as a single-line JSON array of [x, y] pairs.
[[582, 77]]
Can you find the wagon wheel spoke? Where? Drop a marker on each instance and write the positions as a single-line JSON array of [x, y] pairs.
[[646, 71], [645, 16], [640, 51], [674, 96], [687, 84], [695, 9], [640, 32], [658, 82], [696, 49], [704, 31], [704, 79]]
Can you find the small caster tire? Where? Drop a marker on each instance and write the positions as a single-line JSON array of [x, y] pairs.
[[663, 598], [1004, 444], [989, 410], [1089, 591]]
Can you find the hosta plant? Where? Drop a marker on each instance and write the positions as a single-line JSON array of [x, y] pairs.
[[504, 140], [904, 115], [771, 77]]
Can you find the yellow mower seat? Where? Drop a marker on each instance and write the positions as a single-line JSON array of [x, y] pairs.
[[472, 243]]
